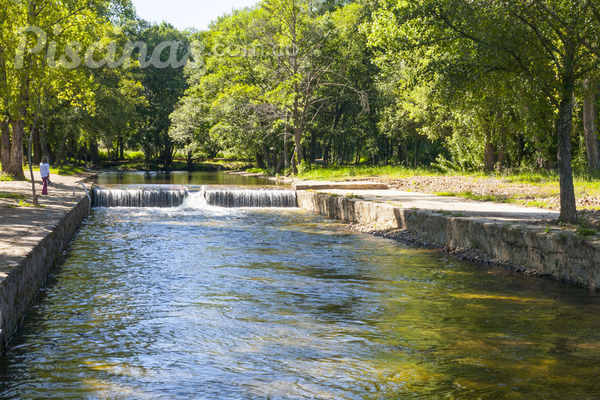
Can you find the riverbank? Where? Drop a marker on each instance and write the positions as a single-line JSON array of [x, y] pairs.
[[529, 189], [518, 237], [32, 238]]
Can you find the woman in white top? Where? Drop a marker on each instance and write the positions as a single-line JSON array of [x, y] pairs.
[[45, 173]]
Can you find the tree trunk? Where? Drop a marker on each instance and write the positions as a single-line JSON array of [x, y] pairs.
[[60, 153], [267, 156], [37, 156], [190, 160], [94, 156], [313, 148], [502, 152], [260, 161], [121, 149], [280, 165], [418, 141], [500, 159], [168, 155], [489, 152], [293, 161], [568, 209], [15, 162], [4, 145], [326, 151], [298, 141], [285, 151], [589, 126], [43, 143]]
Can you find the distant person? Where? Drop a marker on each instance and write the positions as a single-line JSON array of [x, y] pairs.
[[45, 173]]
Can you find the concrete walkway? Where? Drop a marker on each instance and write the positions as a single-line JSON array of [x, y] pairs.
[[431, 202], [21, 228]]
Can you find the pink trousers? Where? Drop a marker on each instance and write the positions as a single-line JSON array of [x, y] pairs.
[[45, 188]]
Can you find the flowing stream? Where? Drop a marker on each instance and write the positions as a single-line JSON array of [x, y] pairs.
[[204, 302]]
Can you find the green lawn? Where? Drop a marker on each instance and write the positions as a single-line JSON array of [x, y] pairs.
[[364, 171], [66, 170]]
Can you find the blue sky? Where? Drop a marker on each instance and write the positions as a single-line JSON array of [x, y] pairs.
[[187, 13]]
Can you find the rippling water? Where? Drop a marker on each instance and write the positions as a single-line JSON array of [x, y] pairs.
[[281, 304]]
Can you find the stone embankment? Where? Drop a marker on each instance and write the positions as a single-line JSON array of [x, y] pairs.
[[496, 233], [32, 239]]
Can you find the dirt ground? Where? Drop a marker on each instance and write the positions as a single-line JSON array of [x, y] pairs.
[[543, 195]]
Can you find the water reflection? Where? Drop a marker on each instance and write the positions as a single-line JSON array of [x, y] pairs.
[[281, 304]]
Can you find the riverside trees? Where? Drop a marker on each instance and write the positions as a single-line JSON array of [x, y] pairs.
[[273, 71], [483, 83], [65, 85], [457, 84], [549, 46]]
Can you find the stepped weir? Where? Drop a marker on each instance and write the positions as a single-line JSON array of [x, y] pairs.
[[175, 196], [234, 197], [138, 195]]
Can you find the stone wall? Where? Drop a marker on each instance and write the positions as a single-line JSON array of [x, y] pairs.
[[21, 279], [555, 252]]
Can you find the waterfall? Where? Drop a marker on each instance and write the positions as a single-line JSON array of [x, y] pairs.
[[223, 196], [138, 195]]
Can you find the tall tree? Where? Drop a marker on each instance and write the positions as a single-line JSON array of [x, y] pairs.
[[546, 41]]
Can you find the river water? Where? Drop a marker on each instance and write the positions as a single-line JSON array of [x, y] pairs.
[[200, 302]]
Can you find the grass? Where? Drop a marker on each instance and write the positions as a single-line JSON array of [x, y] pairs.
[[583, 229], [353, 196], [15, 196], [6, 177], [20, 197], [257, 171], [363, 171], [478, 197], [25, 204], [134, 155], [65, 170]]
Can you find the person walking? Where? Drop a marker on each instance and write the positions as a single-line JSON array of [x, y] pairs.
[[45, 173]]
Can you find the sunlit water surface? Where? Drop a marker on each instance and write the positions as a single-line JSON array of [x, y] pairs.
[[209, 303]]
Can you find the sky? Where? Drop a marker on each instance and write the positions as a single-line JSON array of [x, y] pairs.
[[187, 13]]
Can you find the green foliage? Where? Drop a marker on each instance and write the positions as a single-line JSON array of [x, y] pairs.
[[66, 170], [6, 177], [12, 196], [134, 155], [364, 171], [583, 229]]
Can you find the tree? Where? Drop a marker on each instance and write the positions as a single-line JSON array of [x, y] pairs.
[[546, 42], [163, 88]]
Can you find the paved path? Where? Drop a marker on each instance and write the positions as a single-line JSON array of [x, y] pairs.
[[423, 201], [21, 228]]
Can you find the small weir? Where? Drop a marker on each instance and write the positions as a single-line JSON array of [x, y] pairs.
[[175, 195], [235, 197], [138, 195]]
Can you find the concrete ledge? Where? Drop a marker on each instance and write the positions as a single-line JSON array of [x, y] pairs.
[[21, 278], [556, 253]]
